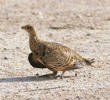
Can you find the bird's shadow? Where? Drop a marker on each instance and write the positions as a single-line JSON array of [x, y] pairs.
[[24, 79], [29, 79]]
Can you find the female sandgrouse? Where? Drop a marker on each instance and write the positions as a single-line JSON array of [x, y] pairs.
[[55, 56]]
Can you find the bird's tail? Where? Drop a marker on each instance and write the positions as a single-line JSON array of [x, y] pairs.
[[89, 62]]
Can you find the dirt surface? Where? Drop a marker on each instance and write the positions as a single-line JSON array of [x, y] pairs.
[[83, 25]]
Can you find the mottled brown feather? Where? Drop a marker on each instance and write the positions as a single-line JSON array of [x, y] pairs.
[[35, 64]]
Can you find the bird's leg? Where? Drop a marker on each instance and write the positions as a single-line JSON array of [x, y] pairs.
[[62, 74], [53, 75]]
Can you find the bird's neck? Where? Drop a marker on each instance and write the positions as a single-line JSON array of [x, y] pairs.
[[33, 34]]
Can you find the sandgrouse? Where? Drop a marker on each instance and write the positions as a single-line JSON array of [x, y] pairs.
[[54, 56]]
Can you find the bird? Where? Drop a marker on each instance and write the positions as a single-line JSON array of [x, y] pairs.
[[54, 56]]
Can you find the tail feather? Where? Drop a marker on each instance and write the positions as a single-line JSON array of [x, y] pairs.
[[89, 62]]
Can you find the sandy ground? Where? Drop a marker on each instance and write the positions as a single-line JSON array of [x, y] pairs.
[[85, 27]]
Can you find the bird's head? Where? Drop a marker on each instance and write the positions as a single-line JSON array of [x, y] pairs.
[[28, 28]]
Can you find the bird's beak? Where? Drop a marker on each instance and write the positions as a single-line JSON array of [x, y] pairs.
[[22, 27]]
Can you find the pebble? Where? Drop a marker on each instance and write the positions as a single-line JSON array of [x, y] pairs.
[[88, 34], [5, 48], [5, 58], [17, 47]]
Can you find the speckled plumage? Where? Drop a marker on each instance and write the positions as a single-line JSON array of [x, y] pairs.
[[54, 56]]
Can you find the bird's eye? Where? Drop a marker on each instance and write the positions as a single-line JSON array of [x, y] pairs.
[[29, 27]]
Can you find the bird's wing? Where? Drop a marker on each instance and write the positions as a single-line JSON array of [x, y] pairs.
[[58, 56], [35, 64]]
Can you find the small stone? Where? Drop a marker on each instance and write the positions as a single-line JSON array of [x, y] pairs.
[[5, 48], [17, 47], [88, 34], [78, 98], [76, 74], [91, 27], [5, 58], [97, 41], [89, 77], [84, 75]]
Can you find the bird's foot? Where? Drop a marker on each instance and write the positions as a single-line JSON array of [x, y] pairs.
[[61, 76], [49, 76]]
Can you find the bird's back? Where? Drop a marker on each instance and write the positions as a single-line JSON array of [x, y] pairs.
[[56, 56]]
